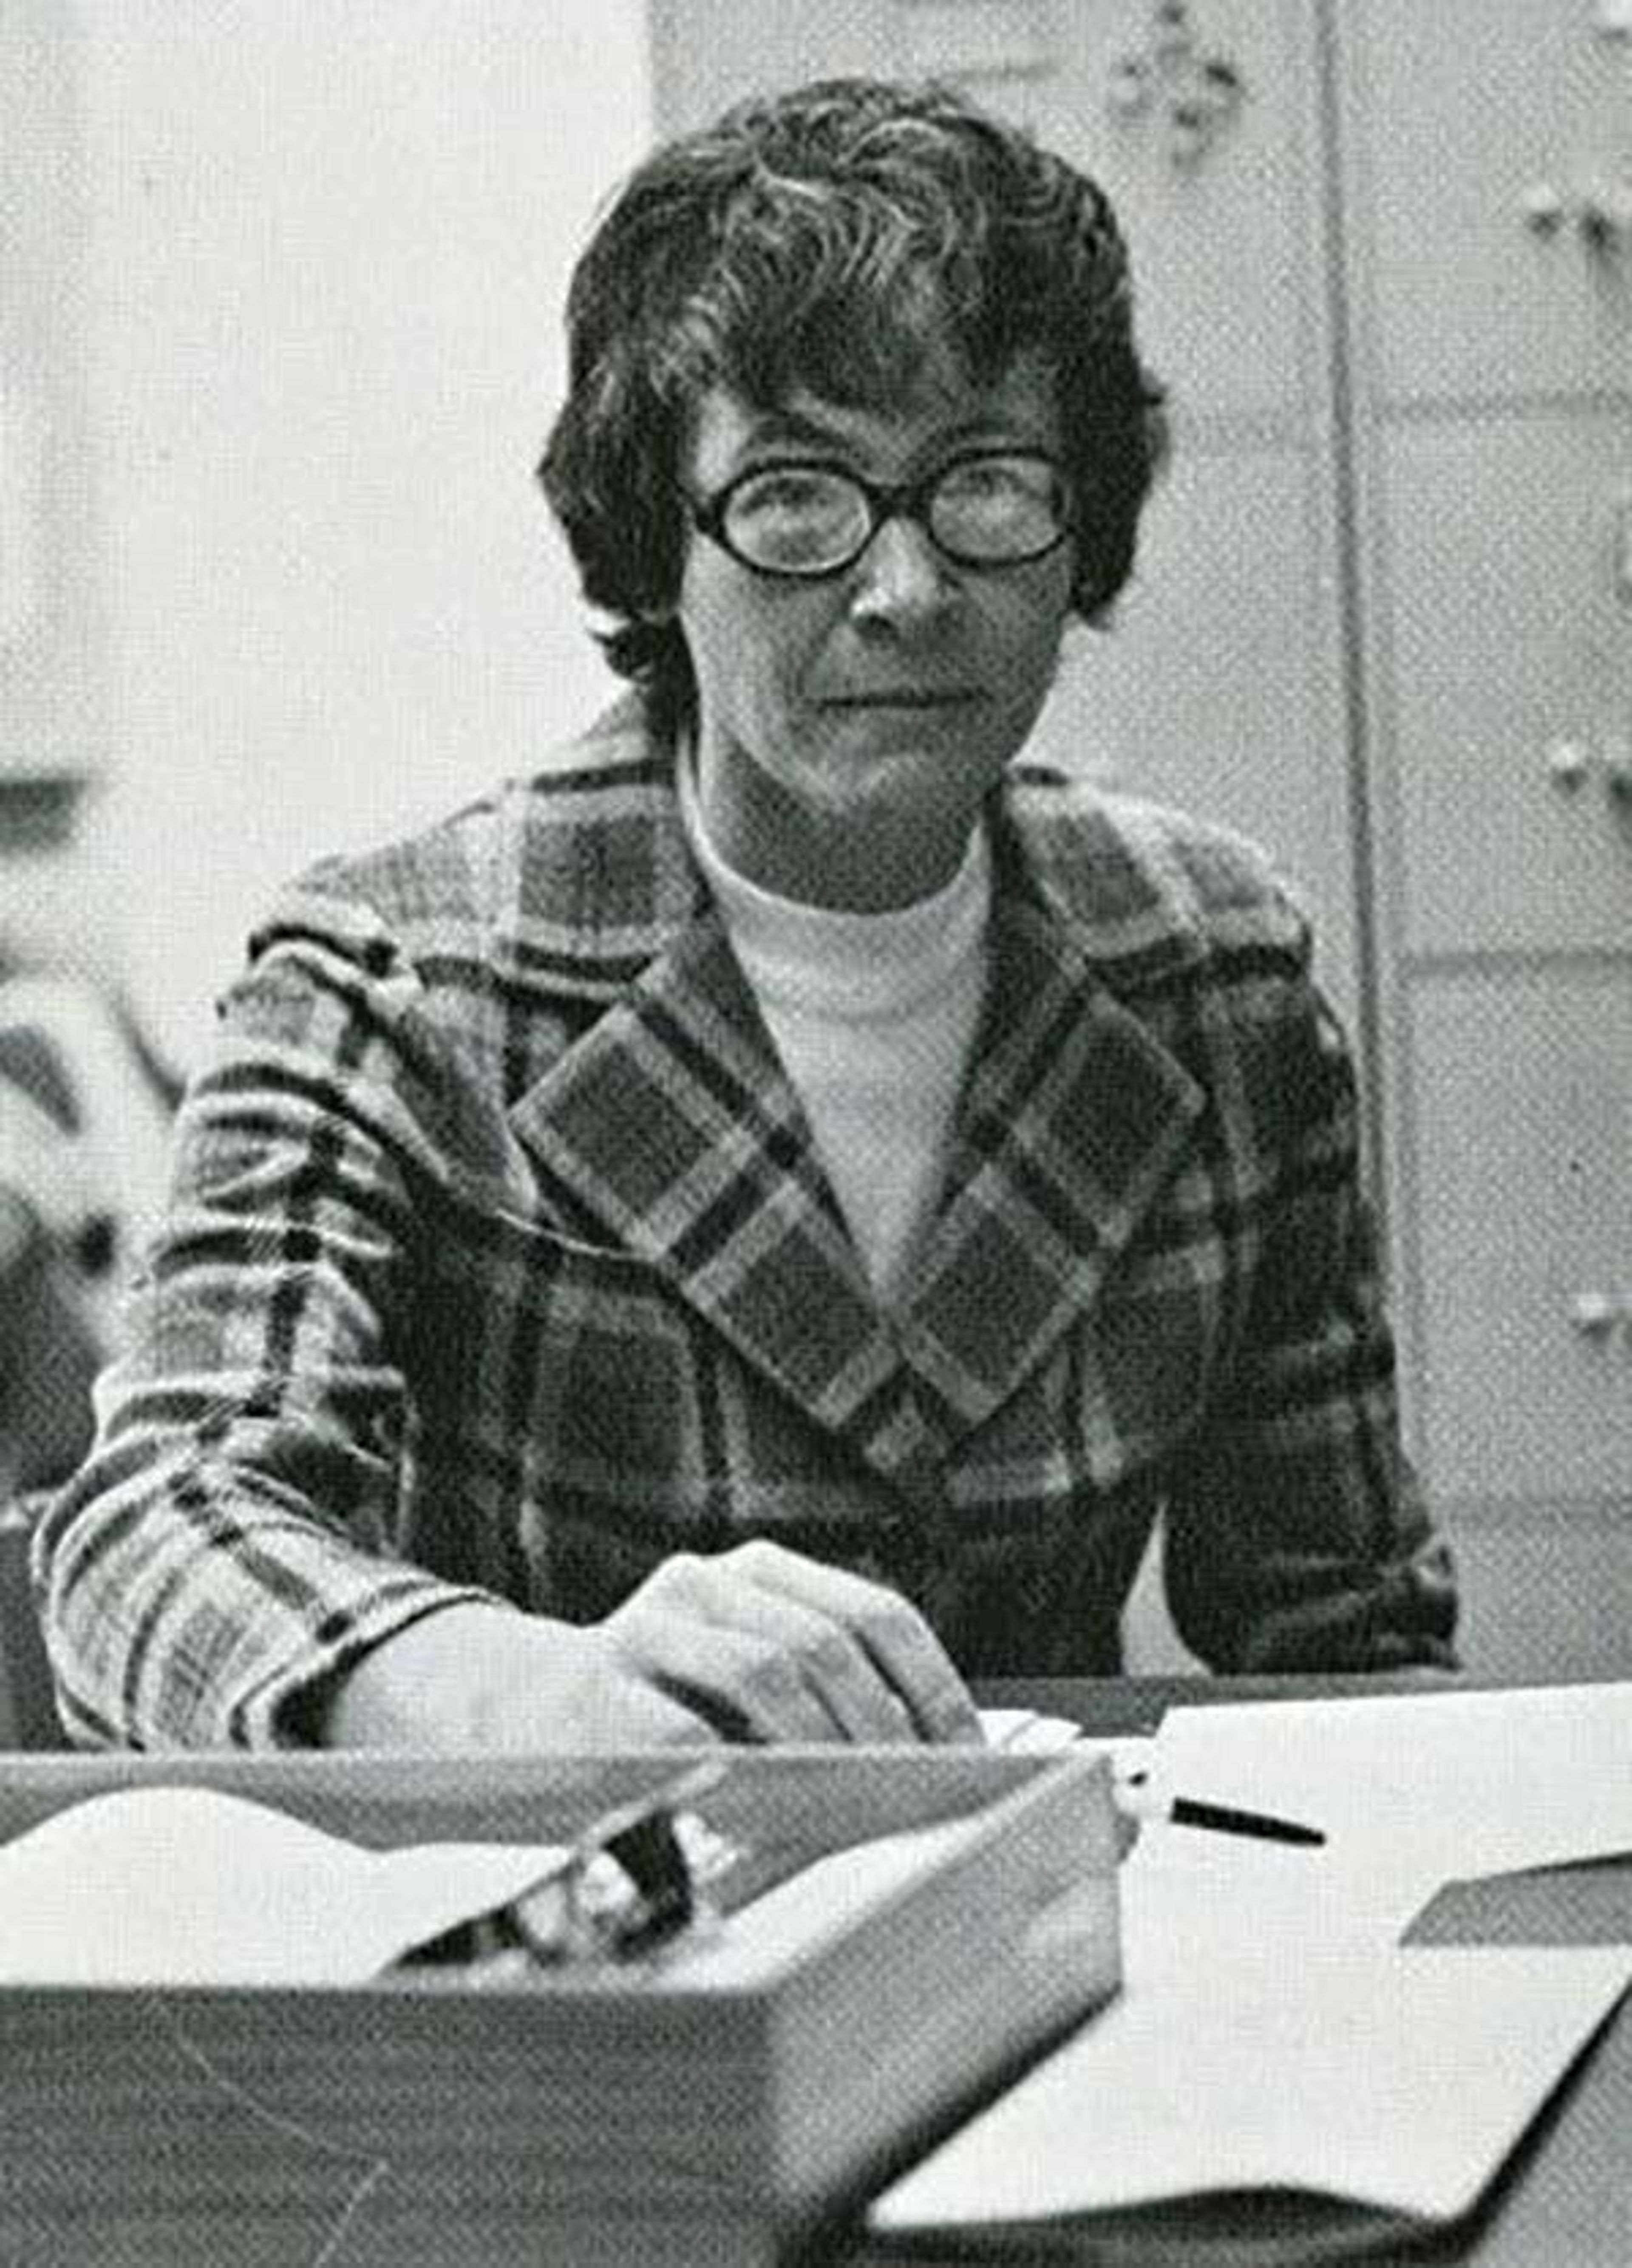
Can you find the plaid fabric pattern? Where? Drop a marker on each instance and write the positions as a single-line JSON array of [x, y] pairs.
[[498, 1260]]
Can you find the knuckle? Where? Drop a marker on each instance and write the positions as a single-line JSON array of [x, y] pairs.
[[761, 1667], [885, 1620], [769, 1679], [830, 1656], [677, 1575]]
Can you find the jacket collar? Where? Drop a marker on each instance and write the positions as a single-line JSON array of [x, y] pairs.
[[604, 879], [672, 1128]]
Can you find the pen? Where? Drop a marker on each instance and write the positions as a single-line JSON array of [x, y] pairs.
[[1221, 1818], [1026, 1729], [1225, 1819]]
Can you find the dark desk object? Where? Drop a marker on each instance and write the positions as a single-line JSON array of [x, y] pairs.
[[1564, 2200]]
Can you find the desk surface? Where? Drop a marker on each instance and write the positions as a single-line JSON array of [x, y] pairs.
[[1564, 2201]]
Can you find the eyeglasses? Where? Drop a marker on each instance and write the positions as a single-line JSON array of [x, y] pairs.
[[635, 1879], [992, 508]]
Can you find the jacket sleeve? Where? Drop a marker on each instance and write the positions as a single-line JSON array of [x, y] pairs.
[[227, 1547], [1297, 1538]]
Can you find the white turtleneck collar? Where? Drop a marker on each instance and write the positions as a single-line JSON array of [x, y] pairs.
[[861, 964], [873, 1016]]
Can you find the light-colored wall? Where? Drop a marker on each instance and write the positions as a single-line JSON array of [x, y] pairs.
[[327, 248]]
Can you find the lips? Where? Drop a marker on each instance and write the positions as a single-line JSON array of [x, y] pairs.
[[904, 697]]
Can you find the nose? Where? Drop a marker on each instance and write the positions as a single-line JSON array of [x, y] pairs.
[[902, 577]]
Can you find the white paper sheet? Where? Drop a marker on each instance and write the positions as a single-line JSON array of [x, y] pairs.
[[1026, 1732], [1398, 2079], [186, 1886], [1415, 1790], [820, 1902]]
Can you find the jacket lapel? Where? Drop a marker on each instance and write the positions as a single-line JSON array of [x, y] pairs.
[[673, 1128], [1073, 1118]]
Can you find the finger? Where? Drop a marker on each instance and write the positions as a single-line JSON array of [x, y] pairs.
[[744, 1685], [808, 1644], [903, 1648], [773, 1668], [636, 1714]]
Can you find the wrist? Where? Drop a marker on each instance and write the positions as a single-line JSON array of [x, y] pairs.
[[447, 1681]]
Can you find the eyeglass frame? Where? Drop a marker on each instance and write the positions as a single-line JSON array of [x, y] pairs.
[[639, 1876], [885, 500]]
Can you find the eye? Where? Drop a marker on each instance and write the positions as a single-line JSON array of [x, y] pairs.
[[790, 491], [1000, 480]]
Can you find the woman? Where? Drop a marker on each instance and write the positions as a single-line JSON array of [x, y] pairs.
[[742, 1231]]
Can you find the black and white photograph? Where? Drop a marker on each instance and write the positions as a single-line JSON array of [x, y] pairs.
[[816, 1133]]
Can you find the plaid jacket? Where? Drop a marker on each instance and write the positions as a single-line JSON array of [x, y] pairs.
[[497, 1260]]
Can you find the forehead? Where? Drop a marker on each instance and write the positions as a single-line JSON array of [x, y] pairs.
[[942, 409]]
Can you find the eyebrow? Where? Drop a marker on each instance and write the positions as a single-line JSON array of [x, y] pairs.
[[772, 425], [792, 427]]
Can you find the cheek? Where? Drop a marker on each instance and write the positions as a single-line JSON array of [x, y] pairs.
[[746, 650], [702, 622], [1025, 638]]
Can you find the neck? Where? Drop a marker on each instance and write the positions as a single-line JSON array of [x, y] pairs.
[[845, 861]]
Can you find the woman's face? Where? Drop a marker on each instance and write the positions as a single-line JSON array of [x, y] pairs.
[[849, 729]]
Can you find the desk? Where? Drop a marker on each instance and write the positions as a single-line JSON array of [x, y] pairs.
[[1565, 2201]]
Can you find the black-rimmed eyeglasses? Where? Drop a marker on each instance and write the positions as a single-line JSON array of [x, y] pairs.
[[990, 508]]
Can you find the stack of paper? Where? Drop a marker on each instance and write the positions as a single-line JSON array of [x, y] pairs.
[[187, 1886]]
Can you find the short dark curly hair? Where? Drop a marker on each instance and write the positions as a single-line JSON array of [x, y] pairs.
[[834, 237]]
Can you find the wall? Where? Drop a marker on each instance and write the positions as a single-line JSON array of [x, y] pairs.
[[327, 253]]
